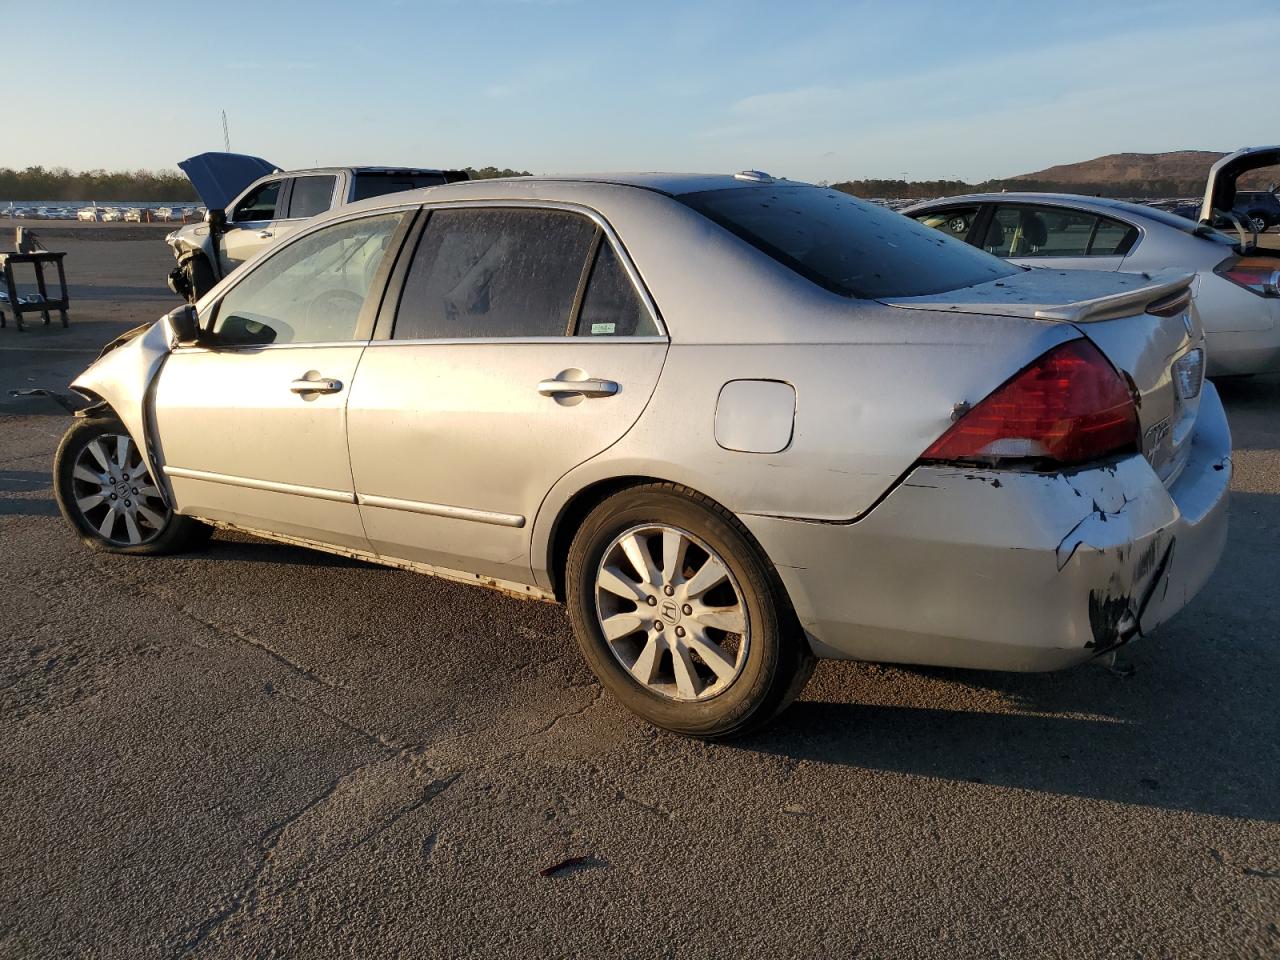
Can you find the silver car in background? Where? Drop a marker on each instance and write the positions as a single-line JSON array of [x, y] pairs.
[[733, 423], [1237, 286]]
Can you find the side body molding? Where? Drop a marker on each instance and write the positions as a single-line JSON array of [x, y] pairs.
[[123, 378]]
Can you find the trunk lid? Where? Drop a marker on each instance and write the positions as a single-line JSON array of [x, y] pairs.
[[220, 177], [1150, 351], [1220, 189]]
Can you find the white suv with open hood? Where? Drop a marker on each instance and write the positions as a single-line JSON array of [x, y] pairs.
[[253, 203]]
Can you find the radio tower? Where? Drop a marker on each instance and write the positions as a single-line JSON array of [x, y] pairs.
[[226, 137]]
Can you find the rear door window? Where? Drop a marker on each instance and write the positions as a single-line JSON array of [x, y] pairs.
[[1025, 231], [311, 196], [260, 204], [611, 307], [494, 272]]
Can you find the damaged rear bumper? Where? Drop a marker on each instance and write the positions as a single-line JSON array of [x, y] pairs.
[[1002, 570]]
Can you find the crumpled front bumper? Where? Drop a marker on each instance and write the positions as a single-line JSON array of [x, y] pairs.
[[1002, 570]]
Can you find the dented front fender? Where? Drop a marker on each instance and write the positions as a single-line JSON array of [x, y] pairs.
[[123, 379]]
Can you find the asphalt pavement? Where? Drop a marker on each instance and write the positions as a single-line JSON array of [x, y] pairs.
[[261, 751]]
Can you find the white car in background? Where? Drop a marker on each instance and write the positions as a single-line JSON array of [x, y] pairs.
[[253, 204], [1237, 284]]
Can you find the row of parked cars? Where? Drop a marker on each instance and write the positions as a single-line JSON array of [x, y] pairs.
[[138, 214], [100, 214], [733, 423]]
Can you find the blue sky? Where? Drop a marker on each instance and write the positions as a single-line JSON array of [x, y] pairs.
[[814, 91]]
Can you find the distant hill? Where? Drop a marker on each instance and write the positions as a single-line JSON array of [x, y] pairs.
[[1177, 173], [1184, 165], [1185, 170]]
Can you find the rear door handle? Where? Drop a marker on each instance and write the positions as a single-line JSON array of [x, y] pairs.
[[322, 385], [578, 388], [265, 234]]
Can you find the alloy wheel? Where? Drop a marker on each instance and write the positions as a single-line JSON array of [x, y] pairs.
[[114, 493], [672, 612]]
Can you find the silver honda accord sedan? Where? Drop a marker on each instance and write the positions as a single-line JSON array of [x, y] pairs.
[[733, 423]]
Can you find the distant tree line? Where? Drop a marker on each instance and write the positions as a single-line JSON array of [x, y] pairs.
[[59, 183], [929, 189], [490, 173]]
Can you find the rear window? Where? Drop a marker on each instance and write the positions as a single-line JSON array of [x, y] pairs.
[[377, 184], [846, 245]]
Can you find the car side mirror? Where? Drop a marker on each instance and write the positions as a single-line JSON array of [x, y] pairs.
[[216, 219], [185, 323]]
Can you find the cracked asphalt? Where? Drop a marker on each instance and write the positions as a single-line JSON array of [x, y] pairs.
[[259, 751]]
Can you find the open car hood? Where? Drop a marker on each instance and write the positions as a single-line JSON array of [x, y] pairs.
[[219, 177], [1220, 190]]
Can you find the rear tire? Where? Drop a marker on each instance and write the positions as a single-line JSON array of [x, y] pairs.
[[106, 493], [703, 641]]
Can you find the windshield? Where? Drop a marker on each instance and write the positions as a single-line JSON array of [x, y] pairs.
[[1173, 220], [846, 245]]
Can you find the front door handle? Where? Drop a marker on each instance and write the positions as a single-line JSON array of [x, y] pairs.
[[590, 387], [321, 385], [265, 234]]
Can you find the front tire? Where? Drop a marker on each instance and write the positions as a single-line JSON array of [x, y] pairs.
[[105, 492], [680, 615]]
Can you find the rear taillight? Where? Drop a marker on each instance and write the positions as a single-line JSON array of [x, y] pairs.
[[1069, 407], [1188, 373], [1262, 280]]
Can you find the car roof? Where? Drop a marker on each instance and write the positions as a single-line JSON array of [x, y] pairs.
[[1014, 197], [411, 171], [1108, 205], [670, 184]]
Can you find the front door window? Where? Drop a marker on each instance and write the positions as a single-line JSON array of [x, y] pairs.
[[311, 291], [259, 205]]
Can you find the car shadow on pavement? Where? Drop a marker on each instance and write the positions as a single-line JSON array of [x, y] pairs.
[[1149, 764], [26, 482], [235, 547], [1193, 728], [1251, 404]]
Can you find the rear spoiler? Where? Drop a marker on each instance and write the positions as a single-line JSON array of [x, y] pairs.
[[1120, 304]]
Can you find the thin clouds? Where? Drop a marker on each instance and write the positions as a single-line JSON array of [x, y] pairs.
[[996, 114]]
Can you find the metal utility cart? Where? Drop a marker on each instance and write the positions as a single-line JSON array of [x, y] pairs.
[[38, 261]]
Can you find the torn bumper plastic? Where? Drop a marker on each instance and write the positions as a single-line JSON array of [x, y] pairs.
[[1002, 570]]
